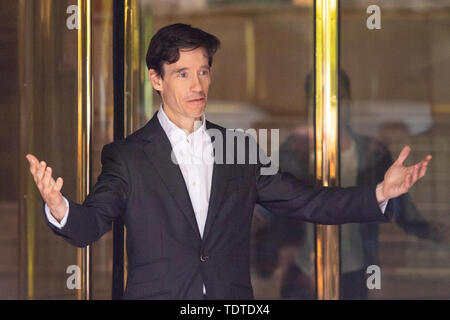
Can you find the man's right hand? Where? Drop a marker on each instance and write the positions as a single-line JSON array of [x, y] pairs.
[[49, 188]]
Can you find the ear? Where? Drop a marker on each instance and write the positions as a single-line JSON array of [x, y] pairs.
[[155, 79]]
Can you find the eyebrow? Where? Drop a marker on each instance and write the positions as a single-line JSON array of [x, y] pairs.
[[182, 69]]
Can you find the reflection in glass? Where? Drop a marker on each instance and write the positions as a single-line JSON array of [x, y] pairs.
[[394, 95]]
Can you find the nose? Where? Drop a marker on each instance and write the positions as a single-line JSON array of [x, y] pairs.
[[196, 85]]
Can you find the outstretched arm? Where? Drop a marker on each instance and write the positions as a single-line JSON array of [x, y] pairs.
[[106, 201], [283, 194]]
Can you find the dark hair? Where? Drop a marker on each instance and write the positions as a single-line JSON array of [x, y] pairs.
[[165, 45]]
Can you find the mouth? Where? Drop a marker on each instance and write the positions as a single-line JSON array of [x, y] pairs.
[[197, 100]]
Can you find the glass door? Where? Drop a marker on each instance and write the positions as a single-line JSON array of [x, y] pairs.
[[50, 110], [394, 80]]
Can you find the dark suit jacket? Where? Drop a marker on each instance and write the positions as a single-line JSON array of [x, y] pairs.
[[167, 258]]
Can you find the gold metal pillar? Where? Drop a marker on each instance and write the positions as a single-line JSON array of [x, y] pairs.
[[131, 59], [84, 140], [130, 62], [26, 229], [145, 34], [133, 66], [138, 92], [326, 48]]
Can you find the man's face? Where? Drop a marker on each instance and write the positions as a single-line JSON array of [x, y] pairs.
[[184, 89]]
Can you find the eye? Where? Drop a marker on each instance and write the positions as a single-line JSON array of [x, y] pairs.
[[205, 72], [183, 74]]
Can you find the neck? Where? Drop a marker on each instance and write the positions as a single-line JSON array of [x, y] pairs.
[[181, 122]]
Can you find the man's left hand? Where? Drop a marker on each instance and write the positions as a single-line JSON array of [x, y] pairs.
[[399, 178]]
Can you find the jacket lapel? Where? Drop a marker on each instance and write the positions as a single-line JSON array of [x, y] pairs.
[[218, 183], [158, 150]]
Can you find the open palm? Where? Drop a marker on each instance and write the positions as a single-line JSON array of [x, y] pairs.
[[398, 179]]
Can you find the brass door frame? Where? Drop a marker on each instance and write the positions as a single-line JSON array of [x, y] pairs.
[[85, 128], [326, 136]]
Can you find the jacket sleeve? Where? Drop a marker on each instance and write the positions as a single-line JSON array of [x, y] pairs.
[[286, 195], [87, 222]]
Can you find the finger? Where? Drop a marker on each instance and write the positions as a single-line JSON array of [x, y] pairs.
[[423, 169], [408, 178], [426, 160], [409, 182], [51, 187], [58, 185], [52, 183], [46, 180], [403, 154], [31, 158], [41, 171], [39, 175], [33, 161], [415, 174]]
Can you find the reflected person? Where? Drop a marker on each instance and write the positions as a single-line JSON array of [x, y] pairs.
[[363, 161]]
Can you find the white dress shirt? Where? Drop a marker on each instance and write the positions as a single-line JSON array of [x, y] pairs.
[[193, 153]]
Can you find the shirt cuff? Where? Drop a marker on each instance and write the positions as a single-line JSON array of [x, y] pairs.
[[383, 205], [52, 219]]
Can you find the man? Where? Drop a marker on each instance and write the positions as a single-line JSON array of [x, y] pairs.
[[188, 225]]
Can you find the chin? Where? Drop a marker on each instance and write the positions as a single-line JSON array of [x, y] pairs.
[[196, 111]]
